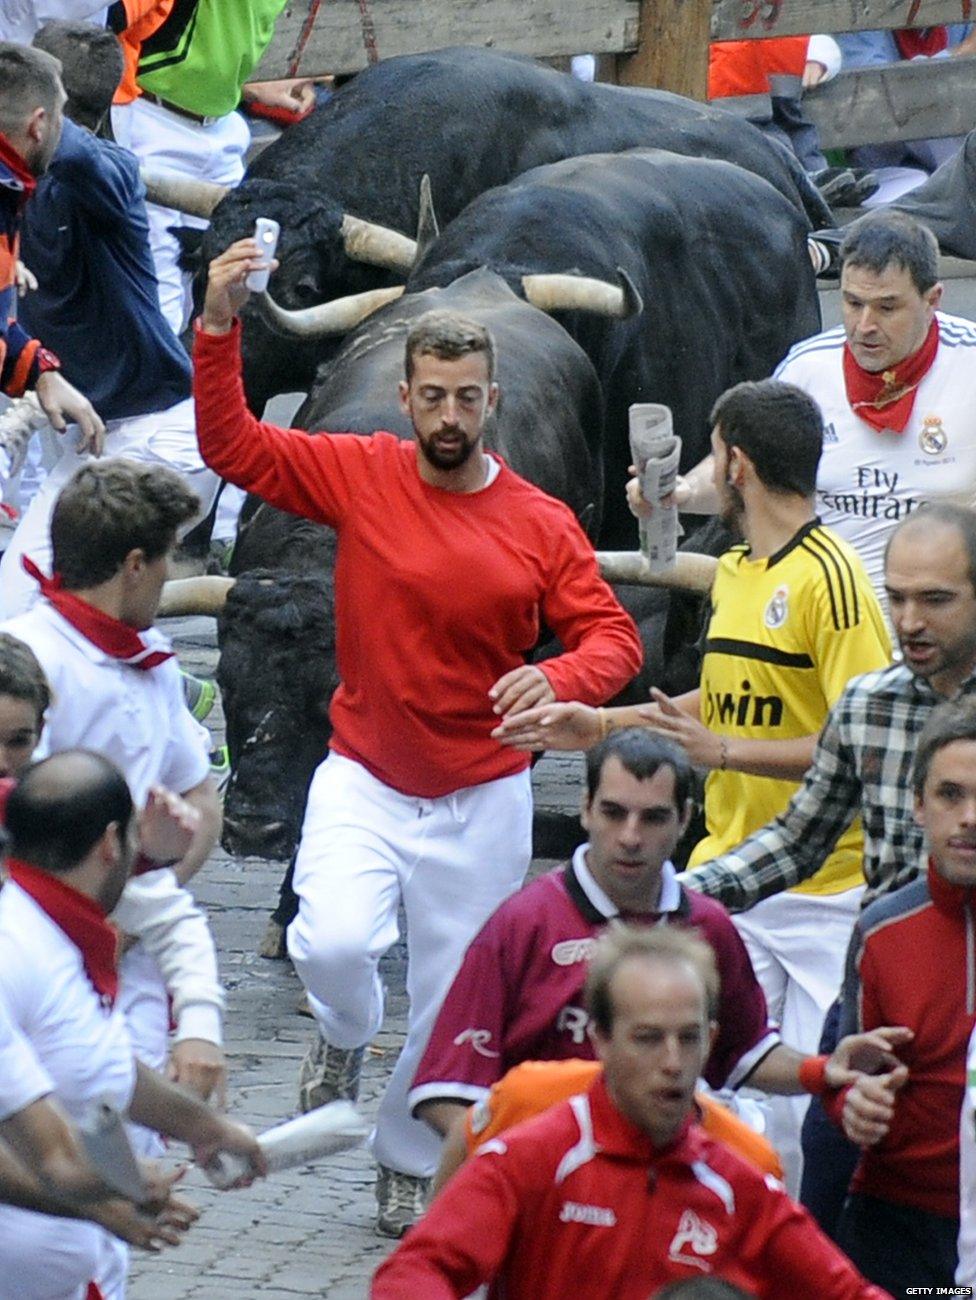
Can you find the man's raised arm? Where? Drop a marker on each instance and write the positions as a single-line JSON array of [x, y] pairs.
[[285, 467]]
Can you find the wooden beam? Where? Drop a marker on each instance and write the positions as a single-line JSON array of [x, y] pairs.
[[905, 101], [736, 20], [672, 48], [334, 39]]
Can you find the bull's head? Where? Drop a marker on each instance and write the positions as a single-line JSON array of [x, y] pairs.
[[323, 253]]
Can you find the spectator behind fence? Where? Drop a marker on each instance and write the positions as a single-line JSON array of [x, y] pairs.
[[903, 165]]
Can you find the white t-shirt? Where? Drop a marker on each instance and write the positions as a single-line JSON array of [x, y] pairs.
[[868, 479], [22, 1077], [966, 1272], [136, 718], [84, 1047]]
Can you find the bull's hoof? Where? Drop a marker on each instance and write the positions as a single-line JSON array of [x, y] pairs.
[[272, 945]]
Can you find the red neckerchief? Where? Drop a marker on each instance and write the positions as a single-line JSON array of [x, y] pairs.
[[81, 919], [111, 636], [18, 167], [913, 41], [885, 398]]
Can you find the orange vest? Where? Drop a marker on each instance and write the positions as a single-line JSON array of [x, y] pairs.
[[532, 1087], [744, 67], [142, 17]]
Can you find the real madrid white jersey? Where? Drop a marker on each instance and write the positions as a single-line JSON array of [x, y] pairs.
[[869, 480]]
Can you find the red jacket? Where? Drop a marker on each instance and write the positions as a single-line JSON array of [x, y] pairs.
[[579, 1203], [437, 593], [912, 963], [744, 67]]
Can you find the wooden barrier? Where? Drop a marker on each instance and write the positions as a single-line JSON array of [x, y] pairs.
[[652, 43]]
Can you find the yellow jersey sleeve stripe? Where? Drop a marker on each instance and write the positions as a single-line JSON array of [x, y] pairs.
[[834, 546], [843, 598]]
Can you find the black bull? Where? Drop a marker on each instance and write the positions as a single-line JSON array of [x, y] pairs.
[[470, 119], [717, 255]]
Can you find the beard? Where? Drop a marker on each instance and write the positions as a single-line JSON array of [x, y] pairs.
[[732, 510], [452, 457]]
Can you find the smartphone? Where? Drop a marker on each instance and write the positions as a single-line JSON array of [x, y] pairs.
[[266, 234]]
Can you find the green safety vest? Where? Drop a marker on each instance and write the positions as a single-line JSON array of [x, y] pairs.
[[205, 51]]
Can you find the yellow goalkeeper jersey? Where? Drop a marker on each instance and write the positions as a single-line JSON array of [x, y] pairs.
[[786, 635]]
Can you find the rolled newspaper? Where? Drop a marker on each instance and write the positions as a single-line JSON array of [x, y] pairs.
[[322, 1132], [656, 452]]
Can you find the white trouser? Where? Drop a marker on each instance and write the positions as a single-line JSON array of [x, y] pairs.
[[207, 151], [797, 944], [366, 847], [144, 1002], [160, 438], [43, 1258]]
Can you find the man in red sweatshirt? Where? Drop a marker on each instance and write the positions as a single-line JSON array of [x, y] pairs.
[[618, 1191], [448, 563], [913, 962]]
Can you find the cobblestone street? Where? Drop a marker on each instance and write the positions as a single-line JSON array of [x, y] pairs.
[[307, 1233]]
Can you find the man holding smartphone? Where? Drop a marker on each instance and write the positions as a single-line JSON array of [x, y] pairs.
[[416, 800]]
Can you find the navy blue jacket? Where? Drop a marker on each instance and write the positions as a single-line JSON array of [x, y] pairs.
[[86, 238]]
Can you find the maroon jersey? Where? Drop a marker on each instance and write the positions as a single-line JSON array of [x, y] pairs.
[[519, 993]]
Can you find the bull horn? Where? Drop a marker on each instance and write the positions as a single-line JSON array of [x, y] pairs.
[[328, 318], [692, 572], [427, 227], [365, 241], [195, 198], [551, 292], [185, 596]]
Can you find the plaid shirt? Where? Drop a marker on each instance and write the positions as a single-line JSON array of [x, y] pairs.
[[862, 765]]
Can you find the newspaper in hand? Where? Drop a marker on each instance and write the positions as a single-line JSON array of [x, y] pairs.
[[324, 1131], [656, 452]]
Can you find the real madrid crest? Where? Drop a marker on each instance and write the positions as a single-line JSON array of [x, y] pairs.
[[933, 439], [776, 611]]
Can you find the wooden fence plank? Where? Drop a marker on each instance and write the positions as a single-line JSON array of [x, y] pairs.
[[539, 27], [906, 101], [672, 49], [736, 20]]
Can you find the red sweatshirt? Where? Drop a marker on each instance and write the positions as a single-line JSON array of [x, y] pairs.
[[437, 593], [912, 962], [578, 1202]]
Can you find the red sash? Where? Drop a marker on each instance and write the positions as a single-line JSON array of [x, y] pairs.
[[885, 398], [111, 636], [913, 41], [81, 919]]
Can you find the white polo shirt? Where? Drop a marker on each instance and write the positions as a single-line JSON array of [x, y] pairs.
[[869, 479], [137, 719], [23, 1080], [84, 1047]]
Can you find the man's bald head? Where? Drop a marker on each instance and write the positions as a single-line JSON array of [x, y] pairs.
[[62, 806]]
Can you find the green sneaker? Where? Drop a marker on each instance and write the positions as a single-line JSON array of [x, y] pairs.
[[200, 694], [220, 765]]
